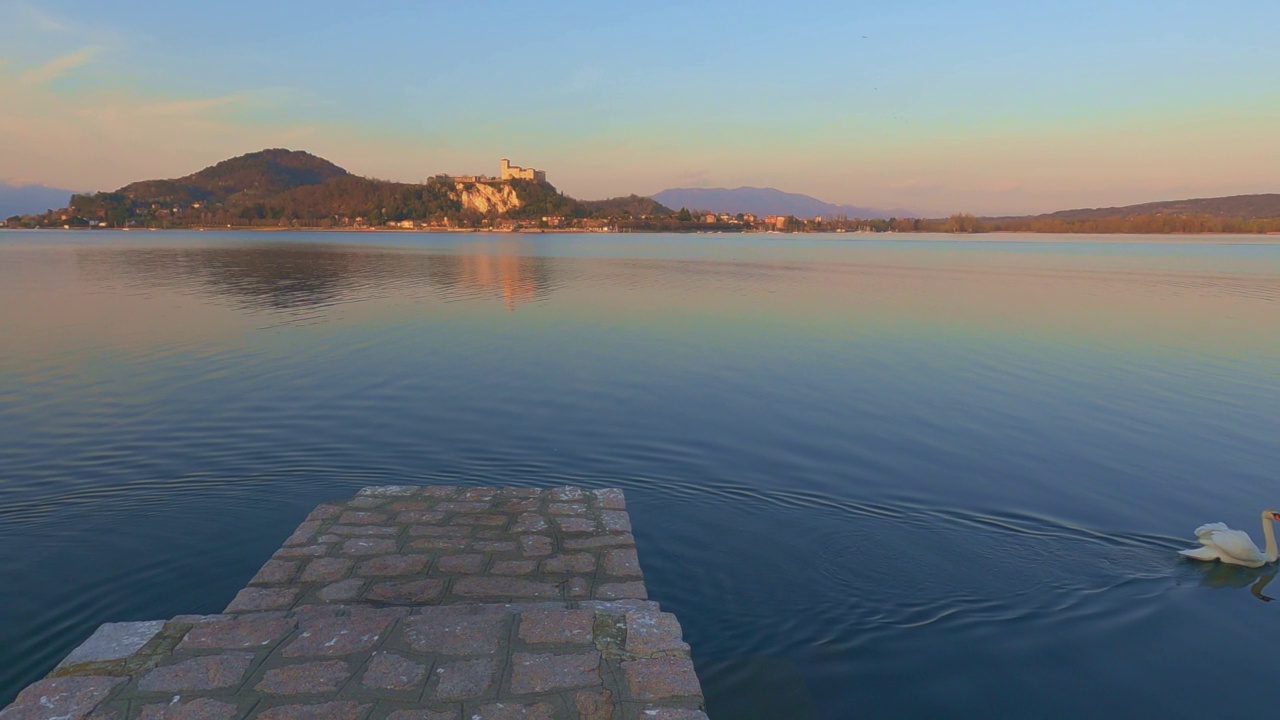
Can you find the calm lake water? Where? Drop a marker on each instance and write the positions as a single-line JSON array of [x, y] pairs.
[[873, 478]]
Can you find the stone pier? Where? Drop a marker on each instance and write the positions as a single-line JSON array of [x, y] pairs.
[[408, 603]]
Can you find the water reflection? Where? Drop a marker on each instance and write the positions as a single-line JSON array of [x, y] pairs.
[[1221, 576], [297, 279]]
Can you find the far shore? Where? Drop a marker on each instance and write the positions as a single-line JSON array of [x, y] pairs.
[[1008, 236]]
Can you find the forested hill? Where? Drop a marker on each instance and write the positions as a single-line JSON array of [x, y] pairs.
[[284, 188], [1244, 207], [248, 178], [1233, 214]]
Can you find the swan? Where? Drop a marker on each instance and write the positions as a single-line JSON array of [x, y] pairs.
[[1234, 547]]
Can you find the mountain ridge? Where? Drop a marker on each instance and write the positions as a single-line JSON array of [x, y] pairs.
[[766, 201], [29, 199]]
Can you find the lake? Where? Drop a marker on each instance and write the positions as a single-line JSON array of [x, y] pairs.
[[873, 477]]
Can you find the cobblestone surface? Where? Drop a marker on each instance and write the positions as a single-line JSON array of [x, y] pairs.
[[405, 603]]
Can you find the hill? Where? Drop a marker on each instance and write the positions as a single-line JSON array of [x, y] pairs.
[[1245, 207], [30, 199], [765, 201], [256, 176], [1231, 214]]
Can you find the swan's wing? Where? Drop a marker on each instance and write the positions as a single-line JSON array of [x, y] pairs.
[[1235, 543], [1201, 553], [1204, 531]]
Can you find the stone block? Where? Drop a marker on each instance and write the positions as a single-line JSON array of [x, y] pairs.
[[621, 562], [343, 591], [570, 627], [522, 505], [594, 704], [386, 565], [387, 671], [571, 563], [300, 551], [466, 564], [362, 517], [652, 633], [420, 714], [453, 630], [535, 545], [577, 587], [198, 709], [72, 697], [495, 546], [365, 530], [662, 712], [369, 546], [274, 572], [465, 679], [576, 524], [486, 519], [421, 517], [113, 641], [504, 587], [441, 544], [619, 591], [567, 509], [616, 521], [390, 491], [326, 570], [406, 591], [254, 599], [567, 493], [314, 677], [336, 636], [463, 507], [439, 531], [600, 541], [246, 631], [339, 710], [513, 567], [661, 679], [211, 672], [547, 672], [480, 494], [610, 499], [515, 711]]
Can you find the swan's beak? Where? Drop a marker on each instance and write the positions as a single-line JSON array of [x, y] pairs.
[[1275, 516]]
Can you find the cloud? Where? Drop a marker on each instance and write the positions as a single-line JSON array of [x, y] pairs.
[[58, 67], [917, 186], [42, 19], [197, 106], [694, 178]]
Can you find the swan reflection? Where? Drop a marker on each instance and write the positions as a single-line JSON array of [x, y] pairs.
[[1223, 576]]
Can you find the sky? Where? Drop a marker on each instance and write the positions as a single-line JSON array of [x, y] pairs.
[[932, 106]]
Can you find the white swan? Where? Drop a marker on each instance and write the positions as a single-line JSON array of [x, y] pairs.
[[1234, 546]]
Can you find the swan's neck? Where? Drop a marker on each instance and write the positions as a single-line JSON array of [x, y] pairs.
[[1270, 534]]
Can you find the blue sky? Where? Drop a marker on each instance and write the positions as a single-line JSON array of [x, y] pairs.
[[990, 107]]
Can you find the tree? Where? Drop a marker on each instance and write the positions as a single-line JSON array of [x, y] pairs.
[[684, 215]]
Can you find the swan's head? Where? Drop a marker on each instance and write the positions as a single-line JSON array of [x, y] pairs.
[[1271, 515]]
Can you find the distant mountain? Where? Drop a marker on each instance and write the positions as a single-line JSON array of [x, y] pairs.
[[1245, 207], [28, 199], [764, 201], [256, 176]]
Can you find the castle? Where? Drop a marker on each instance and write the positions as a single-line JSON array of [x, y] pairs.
[[508, 172], [515, 172]]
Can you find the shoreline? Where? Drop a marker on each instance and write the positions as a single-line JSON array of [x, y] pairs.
[[1003, 236]]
